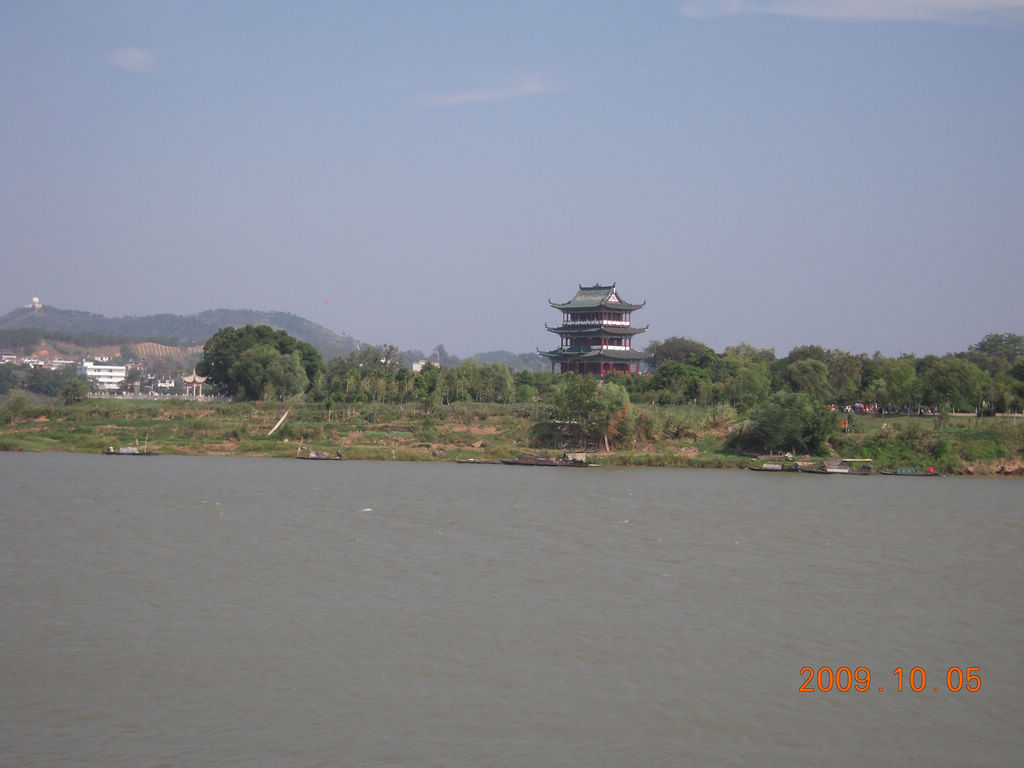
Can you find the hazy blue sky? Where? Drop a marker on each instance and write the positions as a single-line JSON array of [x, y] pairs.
[[847, 173]]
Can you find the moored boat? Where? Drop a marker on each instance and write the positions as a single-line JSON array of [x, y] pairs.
[[321, 456], [911, 472], [840, 467], [532, 460], [129, 450], [568, 459]]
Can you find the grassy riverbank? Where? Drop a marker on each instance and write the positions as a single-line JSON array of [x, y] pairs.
[[672, 436]]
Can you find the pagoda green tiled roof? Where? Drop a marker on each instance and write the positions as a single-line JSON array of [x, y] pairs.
[[595, 297], [589, 353], [608, 330]]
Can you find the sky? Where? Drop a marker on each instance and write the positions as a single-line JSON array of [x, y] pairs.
[[848, 173]]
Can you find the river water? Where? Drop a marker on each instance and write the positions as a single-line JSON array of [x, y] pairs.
[[179, 611]]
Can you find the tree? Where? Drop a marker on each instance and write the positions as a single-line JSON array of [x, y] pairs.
[[17, 405], [584, 409], [425, 385], [807, 352], [811, 376], [286, 376], [573, 402], [897, 382], [876, 391], [997, 351], [530, 385], [8, 379], [749, 386], [679, 349], [250, 372], [73, 390], [1003, 393], [496, 383], [249, 379], [610, 411], [131, 378], [44, 381], [954, 382], [845, 372], [1017, 371], [745, 352], [678, 382]]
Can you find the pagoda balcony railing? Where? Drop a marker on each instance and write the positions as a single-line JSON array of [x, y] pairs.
[[579, 347], [596, 321]]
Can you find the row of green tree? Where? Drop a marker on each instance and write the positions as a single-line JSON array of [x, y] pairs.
[[257, 363], [779, 403], [62, 383], [989, 376]]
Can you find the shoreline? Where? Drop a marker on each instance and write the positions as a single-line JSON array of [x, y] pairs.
[[673, 437], [612, 460]]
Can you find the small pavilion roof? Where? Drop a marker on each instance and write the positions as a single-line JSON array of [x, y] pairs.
[[596, 297]]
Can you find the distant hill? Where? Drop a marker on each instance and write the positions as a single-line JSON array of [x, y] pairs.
[[171, 336], [176, 330]]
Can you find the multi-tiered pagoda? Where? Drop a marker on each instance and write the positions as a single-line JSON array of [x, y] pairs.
[[596, 334]]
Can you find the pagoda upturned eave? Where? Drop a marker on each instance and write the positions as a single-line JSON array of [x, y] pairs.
[[610, 330], [614, 305], [594, 354], [596, 297]]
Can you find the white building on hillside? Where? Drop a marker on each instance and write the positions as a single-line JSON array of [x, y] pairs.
[[104, 375]]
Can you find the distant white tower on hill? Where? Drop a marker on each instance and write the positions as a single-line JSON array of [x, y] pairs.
[[36, 304]]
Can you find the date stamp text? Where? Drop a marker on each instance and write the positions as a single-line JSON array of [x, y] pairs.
[[915, 679]]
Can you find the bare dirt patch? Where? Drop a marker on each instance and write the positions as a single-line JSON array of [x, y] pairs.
[[473, 429]]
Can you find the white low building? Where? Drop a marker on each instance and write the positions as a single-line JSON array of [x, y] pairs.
[[104, 375]]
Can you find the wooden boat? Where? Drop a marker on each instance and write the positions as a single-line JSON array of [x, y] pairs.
[[477, 461], [911, 472], [535, 460], [532, 460], [840, 467], [775, 467], [128, 451], [321, 456], [131, 450]]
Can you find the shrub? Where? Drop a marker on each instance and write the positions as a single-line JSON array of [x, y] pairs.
[[721, 417], [786, 421], [983, 450], [645, 426]]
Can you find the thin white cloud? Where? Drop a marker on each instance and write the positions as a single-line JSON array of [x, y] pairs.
[[949, 11], [531, 86], [132, 60]]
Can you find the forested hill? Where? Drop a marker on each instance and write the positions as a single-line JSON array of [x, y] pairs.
[[195, 330], [180, 329]]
